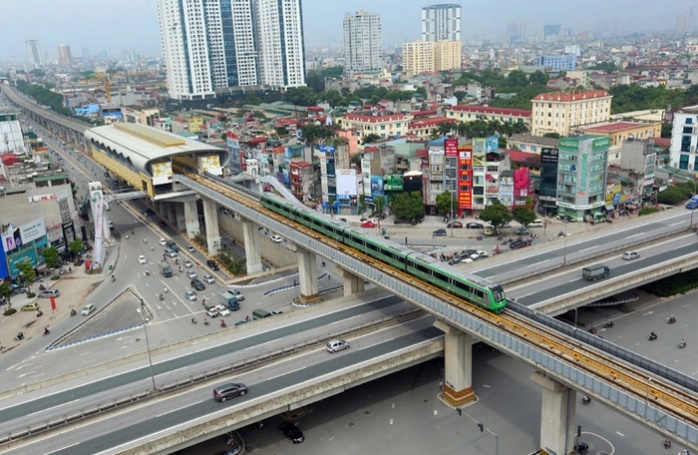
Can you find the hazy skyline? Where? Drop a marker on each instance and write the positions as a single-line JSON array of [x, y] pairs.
[[133, 24]]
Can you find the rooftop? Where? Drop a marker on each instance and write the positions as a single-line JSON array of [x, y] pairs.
[[491, 110], [614, 127], [573, 95]]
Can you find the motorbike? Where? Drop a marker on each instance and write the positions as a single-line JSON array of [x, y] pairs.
[[113, 278], [46, 331], [582, 448], [671, 320], [652, 337], [667, 444], [193, 320], [147, 273], [162, 297], [608, 325], [42, 287], [20, 336], [205, 321], [682, 344], [586, 400], [223, 323], [145, 240], [73, 312]]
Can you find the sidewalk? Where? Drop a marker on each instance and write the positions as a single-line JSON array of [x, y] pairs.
[[75, 287]]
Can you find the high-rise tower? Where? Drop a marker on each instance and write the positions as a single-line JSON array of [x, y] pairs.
[[36, 60], [213, 45], [65, 58], [441, 22], [362, 42]]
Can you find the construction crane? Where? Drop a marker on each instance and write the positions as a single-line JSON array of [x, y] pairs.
[[107, 89]]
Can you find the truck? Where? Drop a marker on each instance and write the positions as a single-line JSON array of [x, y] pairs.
[[229, 301], [595, 272], [165, 269]]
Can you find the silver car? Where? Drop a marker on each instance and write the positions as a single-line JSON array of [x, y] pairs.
[[190, 295]]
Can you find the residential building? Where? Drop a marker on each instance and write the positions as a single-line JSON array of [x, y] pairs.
[[214, 46], [581, 177], [464, 113], [531, 144], [638, 161], [442, 21], [564, 112], [11, 136], [557, 62], [302, 180], [684, 140], [573, 50], [621, 131], [417, 57], [36, 59], [383, 124], [362, 42], [447, 55], [65, 59], [142, 116], [281, 47]]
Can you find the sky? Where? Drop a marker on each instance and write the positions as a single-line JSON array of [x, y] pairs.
[[133, 25]]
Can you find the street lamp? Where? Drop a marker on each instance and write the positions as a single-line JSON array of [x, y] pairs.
[[146, 319], [564, 242]]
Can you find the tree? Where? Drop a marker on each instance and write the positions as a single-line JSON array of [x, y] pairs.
[[76, 247], [316, 134], [674, 195], [538, 78], [444, 202], [37, 72], [496, 214], [371, 137], [356, 160], [379, 204], [6, 291], [666, 130], [524, 215], [502, 142], [27, 271], [50, 255], [408, 207]]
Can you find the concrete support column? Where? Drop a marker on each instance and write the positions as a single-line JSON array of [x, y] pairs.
[[458, 357], [352, 283], [557, 415], [179, 216], [191, 218], [213, 234], [250, 236], [307, 276], [171, 208]]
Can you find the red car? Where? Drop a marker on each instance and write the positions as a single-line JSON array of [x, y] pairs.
[[369, 224]]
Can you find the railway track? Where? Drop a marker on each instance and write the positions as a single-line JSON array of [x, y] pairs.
[[656, 390]]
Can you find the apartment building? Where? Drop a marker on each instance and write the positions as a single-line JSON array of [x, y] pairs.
[[464, 113], [442, 21], [384, 124], [684, 140], [210, 47], [362, 42], [564, 112]]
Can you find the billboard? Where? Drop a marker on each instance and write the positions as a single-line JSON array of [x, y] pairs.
[[162, 172], [15, 238], [451, 147], [377, 186], [465, 178], [346, 183], [210, 163]]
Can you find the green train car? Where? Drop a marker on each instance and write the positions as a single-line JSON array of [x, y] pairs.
[[472, 288]]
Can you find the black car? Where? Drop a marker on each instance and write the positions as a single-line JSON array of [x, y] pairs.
[[292, 432], [455, 225], [227, 391], [212, 265], [473, 225], [197, 284], [517, 244]]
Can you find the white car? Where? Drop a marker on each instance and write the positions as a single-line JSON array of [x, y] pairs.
[[276, 238], [191, 274], [223, 310], [142, 260], [190, 248], [190, 295], [631, 255], [209, 279], [87, 309], [162, 242], [188, 264]]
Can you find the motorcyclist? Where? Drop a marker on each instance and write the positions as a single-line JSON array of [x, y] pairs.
[[162, 297], [193, 320], [653, 335], [113, 278], [672, 319], [667, 444], [682, 343]]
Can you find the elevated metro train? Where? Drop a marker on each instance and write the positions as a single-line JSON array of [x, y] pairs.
[[470, 287]]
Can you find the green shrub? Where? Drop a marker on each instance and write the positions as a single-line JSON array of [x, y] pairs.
[[9, 311], [56, 277], [31, 294], [646, 211]]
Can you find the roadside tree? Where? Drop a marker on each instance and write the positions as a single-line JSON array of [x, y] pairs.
[[524, 215], [444, 203], [496, 214], [50, 255], [408, 207]]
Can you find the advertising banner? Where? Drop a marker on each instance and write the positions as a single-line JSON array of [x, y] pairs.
[[346, 182], [465, 178], [377, 186]]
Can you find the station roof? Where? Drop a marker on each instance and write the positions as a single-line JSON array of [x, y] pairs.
[[142, 144]]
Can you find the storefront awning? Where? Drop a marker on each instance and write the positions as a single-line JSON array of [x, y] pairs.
[[609, 207]]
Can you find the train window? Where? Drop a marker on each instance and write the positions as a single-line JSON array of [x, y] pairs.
[[439, 276]]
